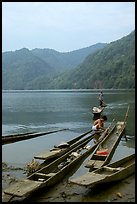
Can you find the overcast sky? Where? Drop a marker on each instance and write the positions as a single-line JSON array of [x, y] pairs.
[[64, 26]]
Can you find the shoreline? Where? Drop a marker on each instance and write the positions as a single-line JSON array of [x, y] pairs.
[[121, 191]]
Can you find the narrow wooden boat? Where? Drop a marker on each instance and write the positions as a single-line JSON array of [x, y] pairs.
[[25, 136], [51, 173], [115, 171], [105, 150], [62, 148], [97, 112]]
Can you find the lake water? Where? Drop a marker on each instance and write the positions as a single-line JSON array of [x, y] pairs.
[[26, 111]]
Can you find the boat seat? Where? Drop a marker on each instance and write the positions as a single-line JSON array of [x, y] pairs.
[[99, 157], [42, 175], [47, 154], [113, 169], [94, 164], [51, 174]]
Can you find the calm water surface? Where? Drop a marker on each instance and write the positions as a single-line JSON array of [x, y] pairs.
[[26, 111]]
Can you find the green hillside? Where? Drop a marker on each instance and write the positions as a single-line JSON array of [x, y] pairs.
[[62, 61], [34, 69], [111, 67], [21, 67], [99, 66]]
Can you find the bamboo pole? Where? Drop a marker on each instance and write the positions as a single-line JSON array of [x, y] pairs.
[[126, 114], [125, 119]]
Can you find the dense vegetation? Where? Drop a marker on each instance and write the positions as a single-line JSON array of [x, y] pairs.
[[111, 67], [34, 69], [67, 60], [100, 66]]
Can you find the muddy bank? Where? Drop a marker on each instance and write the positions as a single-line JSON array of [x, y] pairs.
[[123, 191], [11, 174]]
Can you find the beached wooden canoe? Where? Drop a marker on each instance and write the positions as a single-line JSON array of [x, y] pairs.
[[51, 173], [115, 171], [25, 136], [62, 148], [105, 150]]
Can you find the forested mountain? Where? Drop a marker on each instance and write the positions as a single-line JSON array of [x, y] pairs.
[[99, 66], [111, 67], [32, 69], [21, 67], [62, 61]]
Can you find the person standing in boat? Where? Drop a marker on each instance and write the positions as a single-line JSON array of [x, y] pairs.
[[101, 98]]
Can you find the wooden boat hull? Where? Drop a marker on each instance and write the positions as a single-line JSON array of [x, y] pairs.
[[50, 174], [107, 147], [25, 136], [115, 171], [97, 110], [57, 152]]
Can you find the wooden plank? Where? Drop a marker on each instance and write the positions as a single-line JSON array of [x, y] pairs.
[[39, 174], [47, 154], [94, 163]]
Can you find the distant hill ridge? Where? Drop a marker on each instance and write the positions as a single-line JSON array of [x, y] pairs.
[[22, 68], [111, 67], [65, 60], [99, 66]]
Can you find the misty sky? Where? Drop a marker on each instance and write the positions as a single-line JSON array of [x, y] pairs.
[[64, 26]]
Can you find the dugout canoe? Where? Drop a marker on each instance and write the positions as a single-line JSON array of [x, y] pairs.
[[115, 171], [52, 173], [63, 147], [97, 112], [25, 136], [105, 150]]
